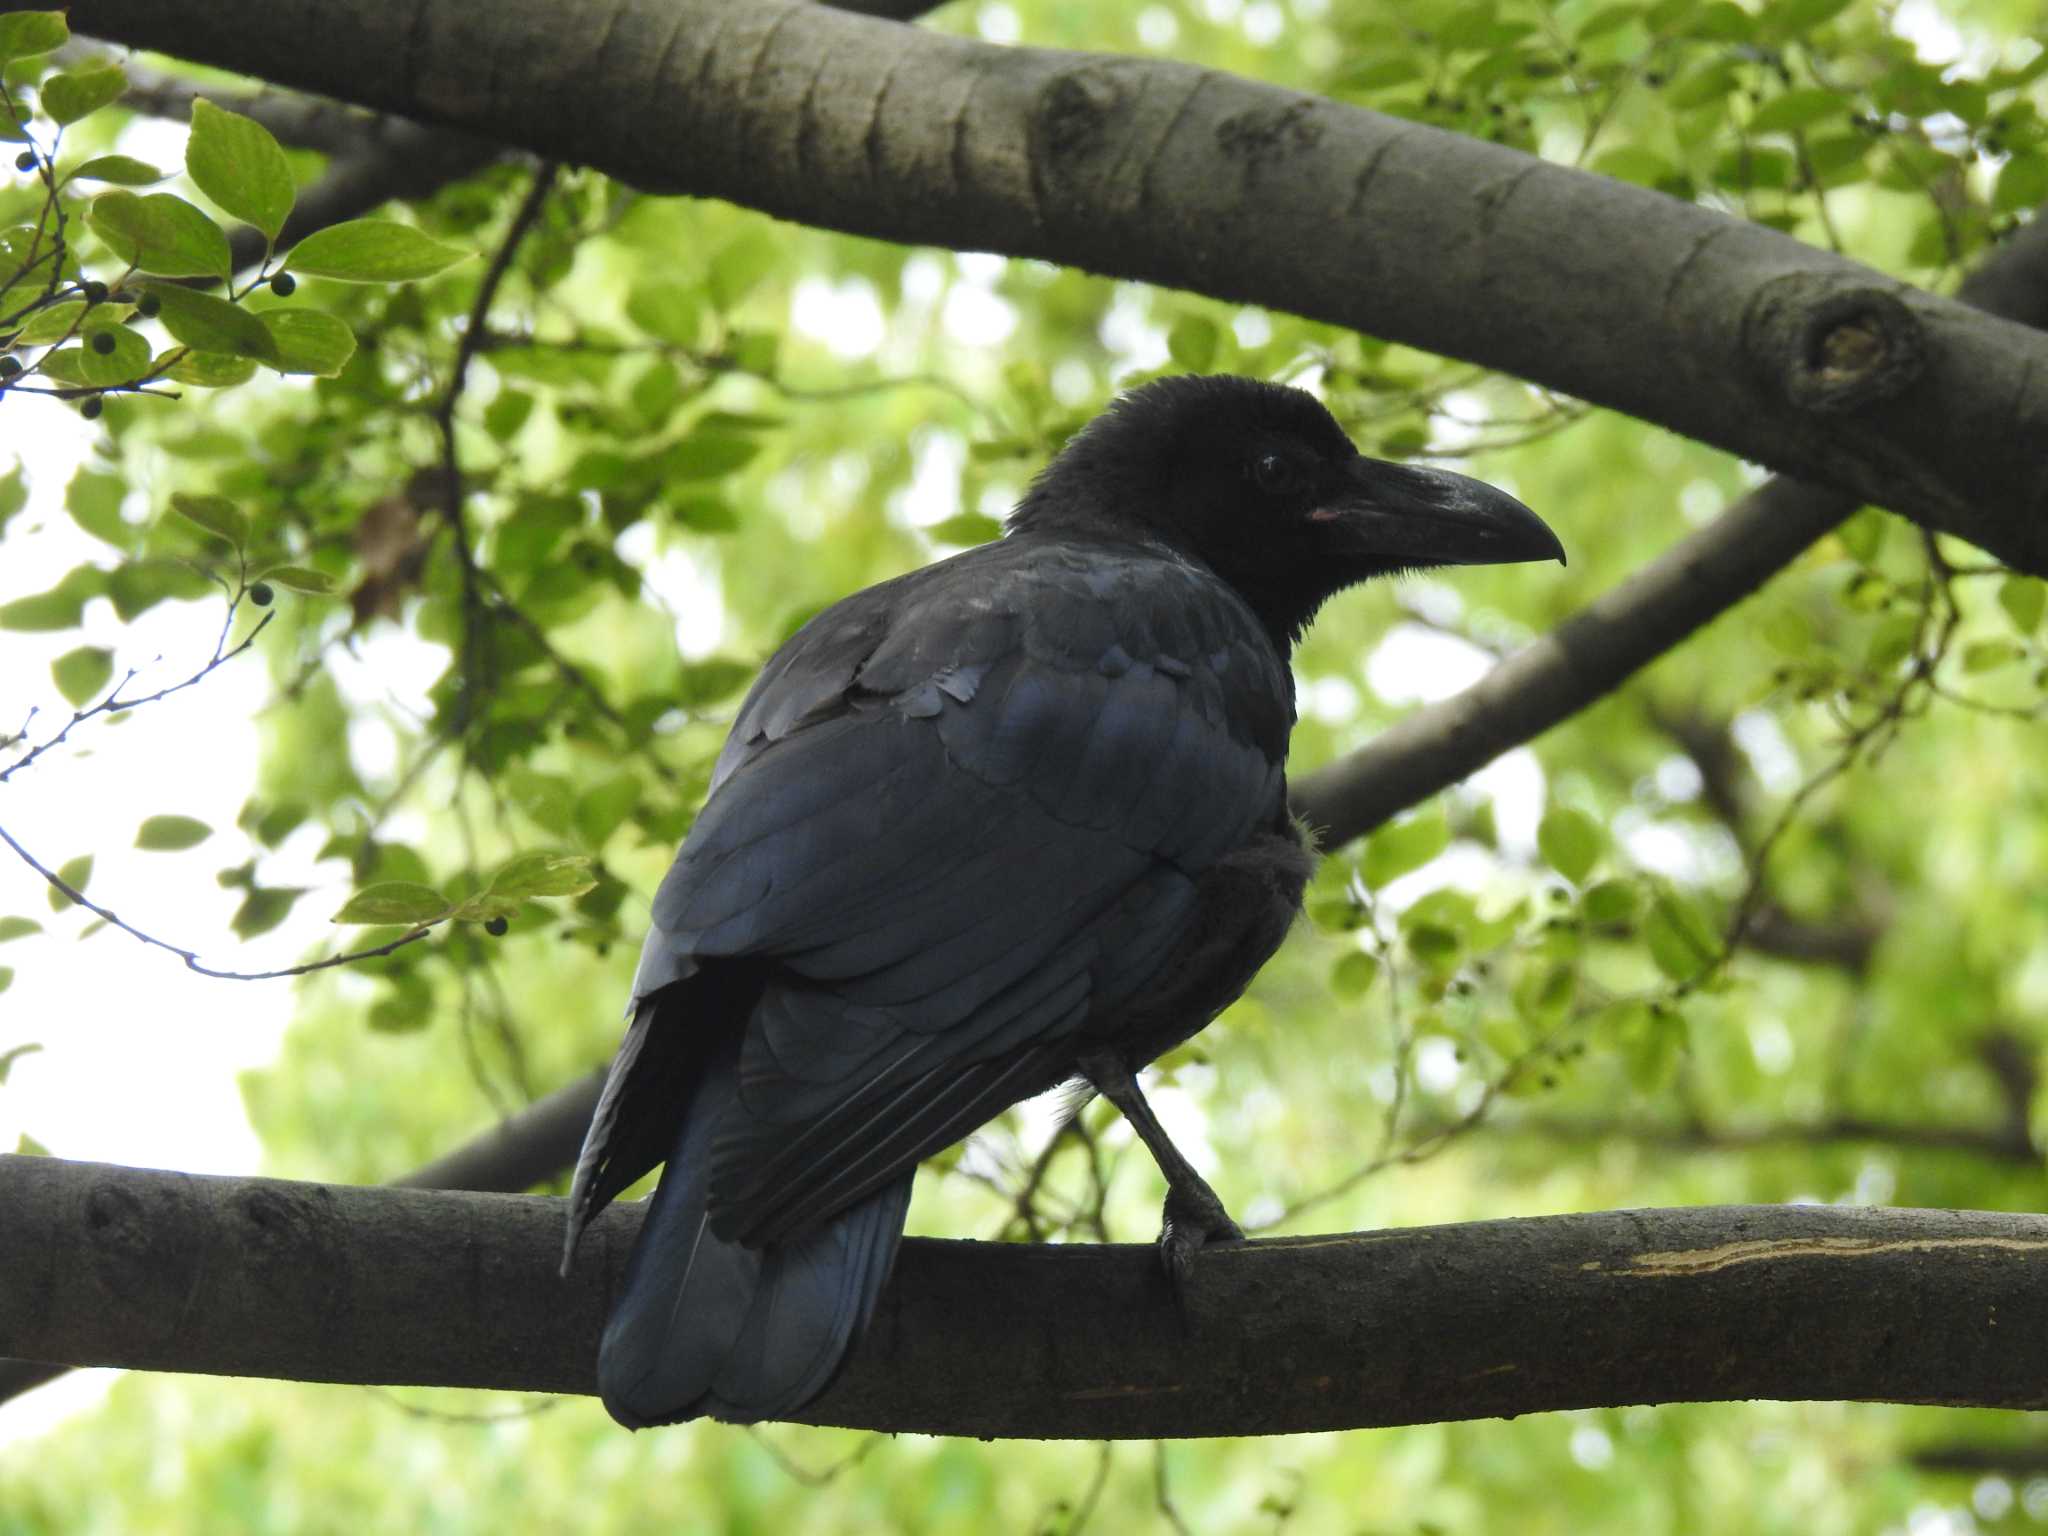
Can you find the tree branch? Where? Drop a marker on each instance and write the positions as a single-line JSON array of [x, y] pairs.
[[162, 1271], [1723, 330], [1619, 633]]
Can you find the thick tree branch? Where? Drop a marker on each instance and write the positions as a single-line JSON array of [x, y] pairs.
[[160, 1271], [1617, 634], [1723, 330]]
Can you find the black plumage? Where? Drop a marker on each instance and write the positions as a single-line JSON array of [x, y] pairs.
[[1018, 817]]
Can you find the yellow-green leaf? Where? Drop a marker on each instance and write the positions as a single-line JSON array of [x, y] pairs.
[[160, 234], [1402, 846], [216, 514], [28, 33], [82, 673], [76, 873], [208, 324], [237, 164], [211, 370], [171, 834], [394, 901], [299, 578], [75, 93], [543, 874], [53, 323], [1571, 842], [308, 341], [372, 251], [119, 171]]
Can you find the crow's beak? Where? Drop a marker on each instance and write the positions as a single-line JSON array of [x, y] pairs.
[[1406, 514]]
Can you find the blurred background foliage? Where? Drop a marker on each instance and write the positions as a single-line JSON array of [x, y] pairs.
[[684, 428]]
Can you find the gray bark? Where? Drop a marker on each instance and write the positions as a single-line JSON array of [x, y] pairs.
[[1151, 169], [258, 1277]]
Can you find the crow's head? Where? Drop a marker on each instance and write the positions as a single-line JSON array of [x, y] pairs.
[[1259, 483]]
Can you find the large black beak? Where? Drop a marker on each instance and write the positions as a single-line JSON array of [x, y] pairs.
[[1408, 515]]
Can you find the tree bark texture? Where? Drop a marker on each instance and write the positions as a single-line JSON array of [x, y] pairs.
[[1151, 169], [179, 1272]]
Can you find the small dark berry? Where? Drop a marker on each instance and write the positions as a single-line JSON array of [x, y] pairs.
[[150, 306], [261, 595], [95, 292], [90, 409], [25, 161], [497, 927], [9, 366], [103, 342], [284, 285]]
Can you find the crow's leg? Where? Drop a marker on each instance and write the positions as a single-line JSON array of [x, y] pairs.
[[1194, 1215]]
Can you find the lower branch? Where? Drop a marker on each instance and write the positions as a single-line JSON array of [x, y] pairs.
[[258, 1277]]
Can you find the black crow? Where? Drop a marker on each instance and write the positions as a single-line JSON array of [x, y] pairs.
[[1013, 819]]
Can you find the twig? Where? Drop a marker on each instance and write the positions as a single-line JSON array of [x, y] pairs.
[[190, 956], [114, 704]]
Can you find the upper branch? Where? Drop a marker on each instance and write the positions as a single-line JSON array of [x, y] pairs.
[[163, 1271], [1723, 330]]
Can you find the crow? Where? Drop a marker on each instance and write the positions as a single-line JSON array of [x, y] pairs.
[[1012, 820]]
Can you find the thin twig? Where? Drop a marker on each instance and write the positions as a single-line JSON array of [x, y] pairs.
[[190, 956]]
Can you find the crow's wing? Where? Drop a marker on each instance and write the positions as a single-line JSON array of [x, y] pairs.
[[961, 817]]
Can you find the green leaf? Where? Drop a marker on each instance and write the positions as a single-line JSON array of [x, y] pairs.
[[300, 578], [2023, 182], [208, 324], [1353, 975], [211, 370], [28, 1146], [82, 673], [58, 608], [965, 528], [216, 514], [1678, 938], [1571, 842], [1192, 343], [1990, 655], [707, 455], [1609, 903], [28, 33], [394, 901], [160, 234], [1863, 535], [171, 834], [76, 873], [119, 171], [2023, 598], [13, 494], [1794, 18], [237, 164], [308, 341], [263, 909], [1401, 846], [604, 807], [53, 322], [75, 93], [1798, 109], [94, 502], [706, 682], [18, 928], [542, 873], [372, 251]]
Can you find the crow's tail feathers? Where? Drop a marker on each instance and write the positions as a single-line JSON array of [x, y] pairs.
[[704, 1326]]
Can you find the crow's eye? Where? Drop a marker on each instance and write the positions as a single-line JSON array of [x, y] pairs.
[[1273, 474]]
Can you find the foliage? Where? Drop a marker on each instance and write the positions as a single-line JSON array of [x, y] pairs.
[[1764, 925]]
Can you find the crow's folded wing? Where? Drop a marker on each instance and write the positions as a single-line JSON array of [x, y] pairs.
[[961, 819]]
